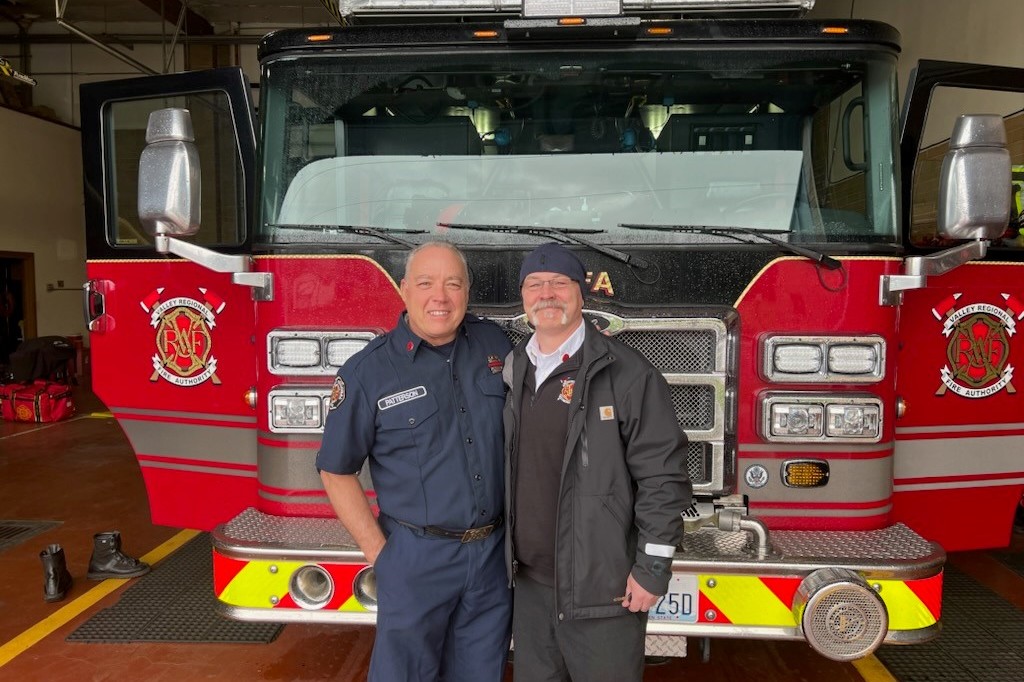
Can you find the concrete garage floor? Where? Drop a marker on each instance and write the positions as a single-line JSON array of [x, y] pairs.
[[82, 474]]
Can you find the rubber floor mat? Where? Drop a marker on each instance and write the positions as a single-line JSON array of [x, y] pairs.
[[173, 603], [982, 639], [14, 533]]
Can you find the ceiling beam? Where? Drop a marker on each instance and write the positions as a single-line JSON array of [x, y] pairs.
[[168, 10]]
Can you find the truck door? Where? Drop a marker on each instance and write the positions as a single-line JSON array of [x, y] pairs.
[[171, 341], [959, 472]]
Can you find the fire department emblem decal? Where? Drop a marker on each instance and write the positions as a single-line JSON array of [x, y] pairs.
[[565, 395], [184, 345], [978, 352], [495, 364], [337, 393]]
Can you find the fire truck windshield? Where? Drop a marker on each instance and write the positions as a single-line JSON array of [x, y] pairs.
[[799, 143]]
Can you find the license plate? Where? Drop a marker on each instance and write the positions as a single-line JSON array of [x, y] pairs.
[[680, 602]]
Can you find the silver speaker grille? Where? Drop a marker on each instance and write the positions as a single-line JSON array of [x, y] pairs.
[[843, 618]]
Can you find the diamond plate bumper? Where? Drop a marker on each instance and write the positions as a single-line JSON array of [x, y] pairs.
[[738, 594]]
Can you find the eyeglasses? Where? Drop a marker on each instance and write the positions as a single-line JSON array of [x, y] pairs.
[[557, 284]]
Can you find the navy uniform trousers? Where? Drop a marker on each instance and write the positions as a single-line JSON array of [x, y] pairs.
[[444, 608]]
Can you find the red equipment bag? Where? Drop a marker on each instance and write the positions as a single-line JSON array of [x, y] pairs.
[[40, 401]]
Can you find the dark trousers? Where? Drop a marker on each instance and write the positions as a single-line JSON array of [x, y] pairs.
[[584, 650], [444, 609]]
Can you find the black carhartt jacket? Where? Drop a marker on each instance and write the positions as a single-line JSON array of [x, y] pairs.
[[623, 484]]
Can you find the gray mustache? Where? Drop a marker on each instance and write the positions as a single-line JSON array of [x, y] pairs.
[[541, 305]]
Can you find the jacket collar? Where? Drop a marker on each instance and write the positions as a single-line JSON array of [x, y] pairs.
[[598, 350]]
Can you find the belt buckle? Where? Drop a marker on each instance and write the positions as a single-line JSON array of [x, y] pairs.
[[474, 534]]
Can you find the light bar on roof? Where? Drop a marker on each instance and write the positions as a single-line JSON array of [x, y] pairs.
[[550, 8]]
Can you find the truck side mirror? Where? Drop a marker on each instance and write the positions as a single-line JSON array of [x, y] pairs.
[[169, 177], [974, 184]]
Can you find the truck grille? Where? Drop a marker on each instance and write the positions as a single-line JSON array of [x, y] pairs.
[[695, 406], [696, 355], [685, 351], [699, 460]]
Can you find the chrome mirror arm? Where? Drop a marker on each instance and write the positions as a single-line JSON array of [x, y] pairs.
[[917, 269], [240, 267]]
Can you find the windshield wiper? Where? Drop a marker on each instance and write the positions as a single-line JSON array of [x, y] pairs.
[[565, 235], [356, 229], [821, 259]]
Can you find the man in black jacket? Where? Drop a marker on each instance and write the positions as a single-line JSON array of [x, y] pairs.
[[595, 485]]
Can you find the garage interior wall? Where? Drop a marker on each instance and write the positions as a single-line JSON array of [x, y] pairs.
[[41, 214]]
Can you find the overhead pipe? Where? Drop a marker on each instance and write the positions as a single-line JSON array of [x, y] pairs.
[[59, 7], [174, 39]]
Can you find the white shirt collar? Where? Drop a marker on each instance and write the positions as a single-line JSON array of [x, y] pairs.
[[545, 364]]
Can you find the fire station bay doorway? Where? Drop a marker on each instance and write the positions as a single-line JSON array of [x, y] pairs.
[[17, 301]]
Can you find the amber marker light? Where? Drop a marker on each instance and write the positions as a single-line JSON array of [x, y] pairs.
[[484, 35], [805, 473], [901, 408], [659, 31], [835, 30], [572, 21], [318, 37]]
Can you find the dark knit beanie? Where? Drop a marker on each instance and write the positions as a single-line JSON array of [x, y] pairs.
[[553, 258]]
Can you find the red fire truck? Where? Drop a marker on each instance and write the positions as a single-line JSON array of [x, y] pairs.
[[830, 287]]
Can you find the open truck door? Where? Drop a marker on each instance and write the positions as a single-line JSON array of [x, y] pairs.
[[958, 434], [180, 333]]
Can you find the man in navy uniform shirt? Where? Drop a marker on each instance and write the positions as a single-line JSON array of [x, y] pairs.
[[424, 403]]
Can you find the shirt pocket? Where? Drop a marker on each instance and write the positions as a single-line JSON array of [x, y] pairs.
[[409, 429], [492, 385]]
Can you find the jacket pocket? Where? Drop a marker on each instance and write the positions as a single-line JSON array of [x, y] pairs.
[[611, 503], [601, 560]]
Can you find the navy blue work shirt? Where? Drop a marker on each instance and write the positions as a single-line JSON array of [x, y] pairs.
[[430, 422]]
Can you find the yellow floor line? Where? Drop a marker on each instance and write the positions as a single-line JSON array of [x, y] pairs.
[[50, 425], [48, 625], [872, 670]]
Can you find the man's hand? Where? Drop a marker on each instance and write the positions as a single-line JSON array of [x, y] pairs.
[[349, 502], [637, 598], [371, 551]]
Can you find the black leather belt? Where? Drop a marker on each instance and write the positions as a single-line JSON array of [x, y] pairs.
[[464, 536]]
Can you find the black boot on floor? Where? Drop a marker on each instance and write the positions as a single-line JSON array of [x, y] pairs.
[[108, 561], [56, 579]]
